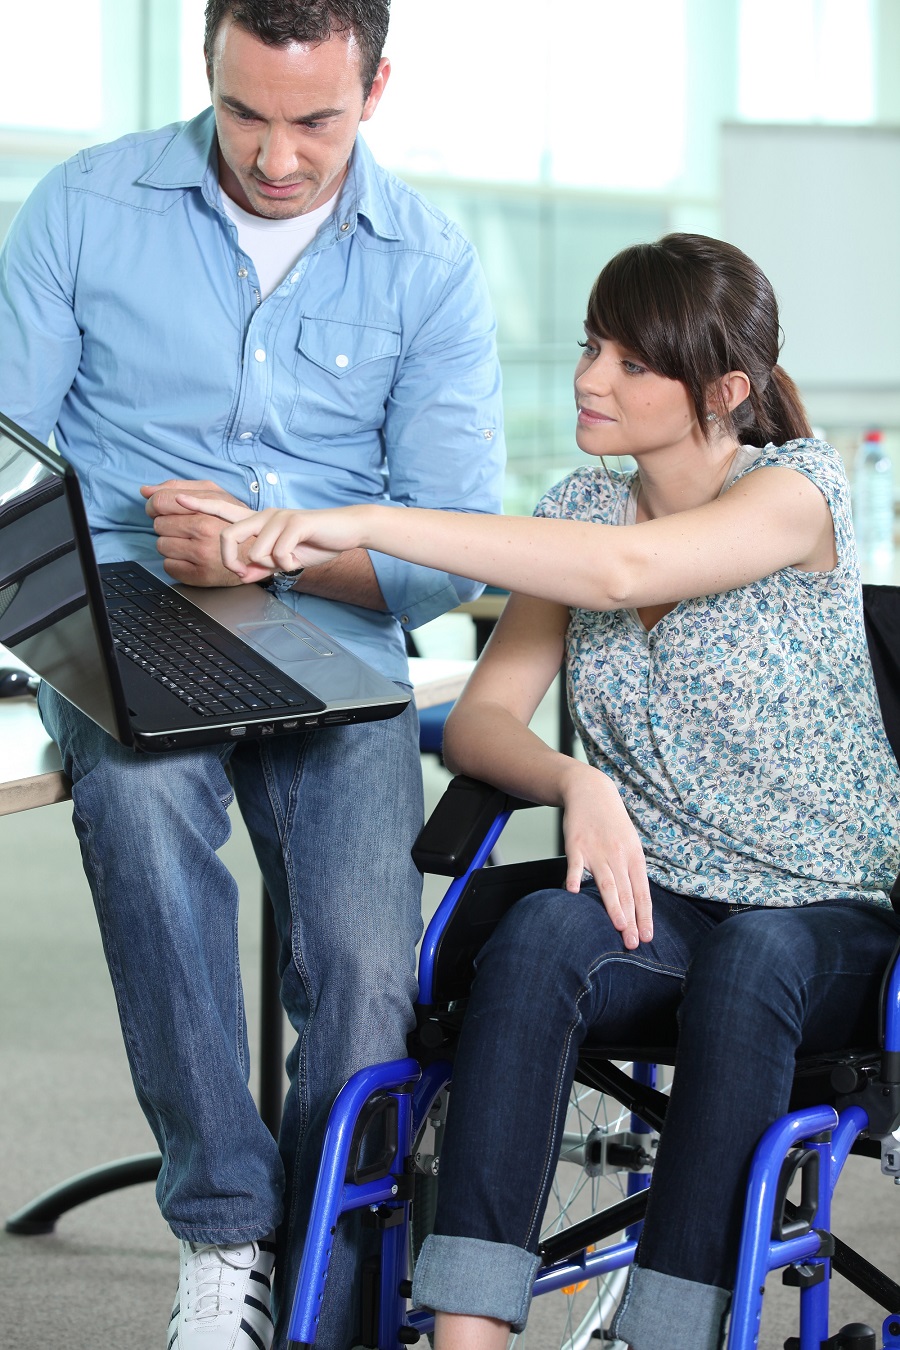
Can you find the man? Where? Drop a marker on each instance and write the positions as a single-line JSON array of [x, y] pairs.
[[247, 304]]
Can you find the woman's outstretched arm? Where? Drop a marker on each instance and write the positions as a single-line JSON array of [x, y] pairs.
[[770, 519]]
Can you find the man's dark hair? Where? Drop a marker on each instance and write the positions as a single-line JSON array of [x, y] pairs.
[[279, 22]]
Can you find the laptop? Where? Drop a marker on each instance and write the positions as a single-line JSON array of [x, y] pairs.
[[158, 667]]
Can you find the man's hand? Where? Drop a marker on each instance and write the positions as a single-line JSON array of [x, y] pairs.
[[189, 540], [259, 542]]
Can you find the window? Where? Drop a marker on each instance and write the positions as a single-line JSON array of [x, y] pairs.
[[806, 61], [583, 97], [38, 90], [194, 86]]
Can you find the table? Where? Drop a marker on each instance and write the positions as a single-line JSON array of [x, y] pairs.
[[30, 776]]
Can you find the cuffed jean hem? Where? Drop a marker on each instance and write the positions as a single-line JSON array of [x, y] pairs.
[[476, 1278], [659, 1309]]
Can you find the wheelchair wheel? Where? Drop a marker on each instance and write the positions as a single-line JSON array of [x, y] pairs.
[[571, 1318]]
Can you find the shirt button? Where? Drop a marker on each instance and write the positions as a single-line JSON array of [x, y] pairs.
[[488, 435], [404, 618], [272, 478], [254, 487], [260, 354], [246, 436], [342, 361], [345, 226], [294, 278], [242, 271]]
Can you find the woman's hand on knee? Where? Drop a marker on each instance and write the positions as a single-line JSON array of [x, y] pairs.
[[601, 839]]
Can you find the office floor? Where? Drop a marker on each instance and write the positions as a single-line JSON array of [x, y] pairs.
[[106, 1277]]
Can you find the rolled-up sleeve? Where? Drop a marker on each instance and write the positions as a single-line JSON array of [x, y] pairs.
[[443, 435]]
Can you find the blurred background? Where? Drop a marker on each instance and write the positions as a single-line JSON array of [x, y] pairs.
[[556, 139], [555, 136]]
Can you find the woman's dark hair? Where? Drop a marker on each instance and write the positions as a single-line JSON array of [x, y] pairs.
[[693, 308], [281, 21]]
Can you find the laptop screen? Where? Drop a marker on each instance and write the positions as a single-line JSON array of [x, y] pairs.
[[45, 615]]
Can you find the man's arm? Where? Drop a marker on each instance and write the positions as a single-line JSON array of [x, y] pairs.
[[350, 578], [444, 435], [39, 334]]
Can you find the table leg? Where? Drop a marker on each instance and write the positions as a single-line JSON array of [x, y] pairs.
[[40, 1215]]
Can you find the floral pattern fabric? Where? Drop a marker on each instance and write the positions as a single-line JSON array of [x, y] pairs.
[[743, 729]]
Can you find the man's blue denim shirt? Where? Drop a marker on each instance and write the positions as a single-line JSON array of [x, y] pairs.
[[131, 326]]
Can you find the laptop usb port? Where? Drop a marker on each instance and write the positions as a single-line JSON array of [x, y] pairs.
[[292, 725]]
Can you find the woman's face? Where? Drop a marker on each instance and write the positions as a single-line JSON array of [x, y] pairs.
[[626, 409]]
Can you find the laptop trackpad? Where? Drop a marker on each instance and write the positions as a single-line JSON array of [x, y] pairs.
[[286, 641]]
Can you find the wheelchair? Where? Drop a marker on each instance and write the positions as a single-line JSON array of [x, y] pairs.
[[382, 1144]]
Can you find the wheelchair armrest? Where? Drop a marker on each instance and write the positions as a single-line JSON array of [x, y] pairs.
[[448, 840]]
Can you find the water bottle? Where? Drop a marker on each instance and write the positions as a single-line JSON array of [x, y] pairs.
[[873, 508]]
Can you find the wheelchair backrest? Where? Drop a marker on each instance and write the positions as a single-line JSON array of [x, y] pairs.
[[881, 608]]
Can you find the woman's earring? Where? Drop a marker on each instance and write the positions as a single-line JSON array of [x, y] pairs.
[[712, 417]]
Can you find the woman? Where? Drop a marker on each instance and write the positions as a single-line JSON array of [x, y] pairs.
[[733, 835]]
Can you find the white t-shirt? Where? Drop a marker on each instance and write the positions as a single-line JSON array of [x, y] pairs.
[[275, 245]]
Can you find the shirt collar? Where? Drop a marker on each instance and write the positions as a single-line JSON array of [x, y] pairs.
[[188, 157], [362, 194], [189, 160]]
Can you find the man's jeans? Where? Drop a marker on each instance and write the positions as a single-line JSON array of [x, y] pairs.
[[332, 815], [747, 989]]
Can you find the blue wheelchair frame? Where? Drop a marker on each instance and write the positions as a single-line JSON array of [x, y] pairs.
[[809, 1146]]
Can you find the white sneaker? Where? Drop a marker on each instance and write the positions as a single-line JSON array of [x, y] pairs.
[[224, 1297]]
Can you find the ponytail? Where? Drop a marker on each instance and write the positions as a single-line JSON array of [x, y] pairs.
[[777, 414]]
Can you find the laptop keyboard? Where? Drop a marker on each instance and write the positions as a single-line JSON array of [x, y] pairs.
[[190, 655]]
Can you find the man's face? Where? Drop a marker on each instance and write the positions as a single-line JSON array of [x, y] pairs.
[[286, 118]]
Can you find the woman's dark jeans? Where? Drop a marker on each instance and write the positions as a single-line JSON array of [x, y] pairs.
[[748, 988]]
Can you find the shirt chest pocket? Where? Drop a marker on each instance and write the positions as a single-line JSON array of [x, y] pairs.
[[343, 374]]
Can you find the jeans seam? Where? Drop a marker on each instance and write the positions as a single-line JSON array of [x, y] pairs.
[[608, 957], [301, 1083]]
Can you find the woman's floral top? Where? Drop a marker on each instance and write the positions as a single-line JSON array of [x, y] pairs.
[[743, 730]]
